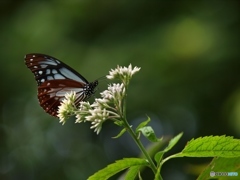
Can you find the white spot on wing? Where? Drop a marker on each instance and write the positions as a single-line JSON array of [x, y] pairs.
[[58, 76], [63, 91], [50, 78], [54, 71], [35, 67], [40, 72], [48, 62], [70, 75], [48, 71], [42, 80], [43, 65]]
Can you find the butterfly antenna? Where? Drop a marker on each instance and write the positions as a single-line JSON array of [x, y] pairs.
[[102, 78]]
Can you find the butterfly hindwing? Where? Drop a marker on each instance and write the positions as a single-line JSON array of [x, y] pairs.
[[51, 93]]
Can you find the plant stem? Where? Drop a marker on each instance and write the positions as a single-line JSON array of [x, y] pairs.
[[134, 136], [141, 147], [170, 157]]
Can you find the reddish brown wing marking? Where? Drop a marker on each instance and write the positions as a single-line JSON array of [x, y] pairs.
[[51, 93]]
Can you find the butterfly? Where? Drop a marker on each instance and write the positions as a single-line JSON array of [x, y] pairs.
[[55, 79]]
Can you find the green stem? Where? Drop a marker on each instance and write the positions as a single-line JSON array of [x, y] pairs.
[[141, 147], [170, 157], [134, 136]]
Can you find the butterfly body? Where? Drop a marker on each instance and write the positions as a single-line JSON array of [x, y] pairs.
[[55, 79]]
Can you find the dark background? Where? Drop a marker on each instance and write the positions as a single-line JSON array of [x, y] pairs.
[[189, 80]]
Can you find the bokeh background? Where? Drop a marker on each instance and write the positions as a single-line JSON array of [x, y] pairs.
[[189, 81]]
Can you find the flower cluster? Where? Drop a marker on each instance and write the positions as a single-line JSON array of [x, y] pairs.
[[67, 107], [92, 113], [123, 73], [109, 106], [113, 95]]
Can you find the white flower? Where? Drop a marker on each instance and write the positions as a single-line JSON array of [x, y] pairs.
[[94, 113], [61, 115], [66, 106], [107, 95], [115, 91], [84, 106], [102, 115], [82, 112], [97, 125], [97, 117], [123, 73], [103, 102]]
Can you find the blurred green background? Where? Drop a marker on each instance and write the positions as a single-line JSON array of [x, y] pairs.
[[189, 80]]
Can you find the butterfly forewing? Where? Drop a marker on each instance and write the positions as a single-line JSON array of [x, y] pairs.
[[46, 68], [55, 79]]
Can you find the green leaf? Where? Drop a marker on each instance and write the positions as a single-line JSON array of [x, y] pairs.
[[220, 164], [116, 167], [211, 146], [158, 156], [148, 132], [119, 123], [173, 142], [132, 172], [120, 134], [142, 124]]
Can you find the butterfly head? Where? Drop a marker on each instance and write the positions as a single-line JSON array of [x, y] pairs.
[[90, 88]]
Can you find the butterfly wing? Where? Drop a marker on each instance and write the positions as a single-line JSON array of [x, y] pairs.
[[54, 79]]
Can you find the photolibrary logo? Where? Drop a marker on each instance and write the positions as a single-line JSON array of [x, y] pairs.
[[212, 173]]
